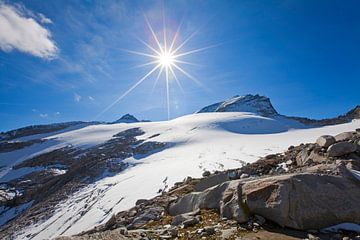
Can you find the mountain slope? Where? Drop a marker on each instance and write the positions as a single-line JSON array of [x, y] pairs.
[[67, 180], [192, 144]]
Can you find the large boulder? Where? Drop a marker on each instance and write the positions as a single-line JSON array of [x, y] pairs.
[[341, 148], [305, 201], [345, 136], [325, 141], [225, 197]]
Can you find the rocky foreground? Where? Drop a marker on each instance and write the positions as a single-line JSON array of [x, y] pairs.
[[297, 194]]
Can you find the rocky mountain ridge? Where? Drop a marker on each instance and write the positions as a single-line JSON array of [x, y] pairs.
[[248, 103]]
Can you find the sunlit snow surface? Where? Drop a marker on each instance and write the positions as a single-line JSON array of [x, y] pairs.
[[211, 141]]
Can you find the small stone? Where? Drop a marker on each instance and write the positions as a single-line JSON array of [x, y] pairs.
[[260, 220], [123, 231], [345, 238], [191, 222], [173, 232], [358, 130], [206, 174], [142, 201], [209, 230], [244, 175], [165, 237], [312, 237], [233, 175]]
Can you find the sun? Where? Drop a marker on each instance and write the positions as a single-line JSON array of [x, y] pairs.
[[165, 57]]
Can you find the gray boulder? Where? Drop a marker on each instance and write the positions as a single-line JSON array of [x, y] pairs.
[[340, 149], [231, 205], [345, 136], [181, 218], [225, 197], [302, 157], [211, 181], [325, 141], [153, 213], [305, 201]]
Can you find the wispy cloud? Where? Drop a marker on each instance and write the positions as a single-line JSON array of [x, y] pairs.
[[77, 97], [91, 98], [20, 30], [43, 115]]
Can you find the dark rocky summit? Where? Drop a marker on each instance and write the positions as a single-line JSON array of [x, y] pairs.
[[127, 118], [292, 195], [248, 103]]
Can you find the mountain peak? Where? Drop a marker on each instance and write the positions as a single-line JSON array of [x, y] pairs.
[[248, 103], [127, 118]]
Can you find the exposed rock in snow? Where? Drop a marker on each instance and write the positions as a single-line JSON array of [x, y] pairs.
[[249, 103]]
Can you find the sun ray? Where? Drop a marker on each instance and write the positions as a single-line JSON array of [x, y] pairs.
[[164, 29], [168, 93], [146, 64], [185, 41], [139, 53], [157, 78], [195, 50], [190, 76], [150, 47], [188, 63], [128, 91], [153, 34], [176, 79], [176, 36]]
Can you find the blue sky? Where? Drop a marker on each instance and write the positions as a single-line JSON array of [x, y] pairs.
[[65, 60]]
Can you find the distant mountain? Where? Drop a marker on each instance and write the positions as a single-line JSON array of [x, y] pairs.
[[348, 117], [127, 118], [260, 105]]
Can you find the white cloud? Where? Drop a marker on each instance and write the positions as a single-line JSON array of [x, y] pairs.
[[43, 115], [18, 30], [77, 97], [91, 98], [57, 113], [44, 19]]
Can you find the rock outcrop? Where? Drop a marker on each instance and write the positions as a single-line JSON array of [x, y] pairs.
[[248, 103]]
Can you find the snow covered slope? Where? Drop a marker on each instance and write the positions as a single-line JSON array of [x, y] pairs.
[[197, 142]]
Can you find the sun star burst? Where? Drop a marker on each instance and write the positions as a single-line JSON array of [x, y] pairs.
[[165, 59]]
